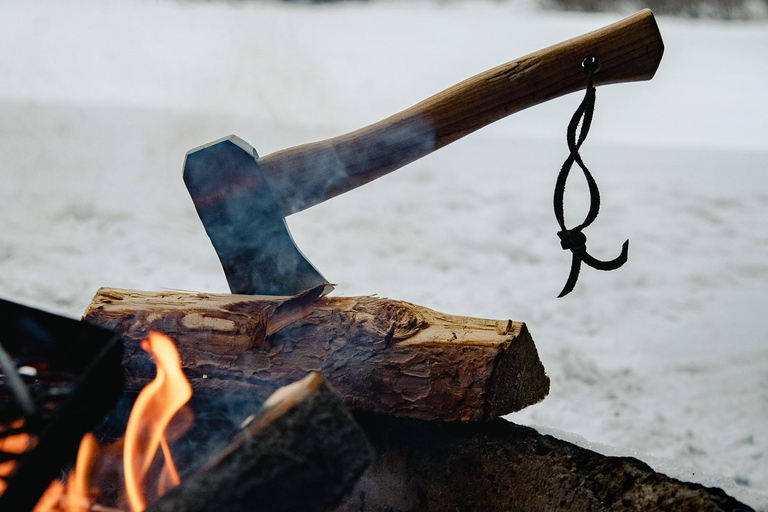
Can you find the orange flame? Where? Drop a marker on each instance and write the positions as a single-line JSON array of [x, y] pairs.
[[155, 406], [153, 410], [77, 482], [51, 498], [16, 443]]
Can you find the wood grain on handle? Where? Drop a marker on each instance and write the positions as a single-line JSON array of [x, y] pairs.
[[303, 176]]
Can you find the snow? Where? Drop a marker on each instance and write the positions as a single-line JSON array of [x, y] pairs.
[[665, 358]]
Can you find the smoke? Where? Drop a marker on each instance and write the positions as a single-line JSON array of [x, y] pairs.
[[309, 174]]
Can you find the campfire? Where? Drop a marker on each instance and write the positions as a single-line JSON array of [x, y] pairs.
[[139, 469], [431, 450]]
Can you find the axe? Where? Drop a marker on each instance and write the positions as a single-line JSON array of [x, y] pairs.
[[243, 199]]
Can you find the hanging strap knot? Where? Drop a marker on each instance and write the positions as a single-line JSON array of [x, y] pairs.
[[574, 239]]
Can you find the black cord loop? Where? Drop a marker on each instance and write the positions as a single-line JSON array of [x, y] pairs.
[[574, 239]]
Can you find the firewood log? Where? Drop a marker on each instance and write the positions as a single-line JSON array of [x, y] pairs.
[[500, 466], [301, 451], [381, 355]]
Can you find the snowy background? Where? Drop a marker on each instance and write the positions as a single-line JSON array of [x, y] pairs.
[[665, 359]]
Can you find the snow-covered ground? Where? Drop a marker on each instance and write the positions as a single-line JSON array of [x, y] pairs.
[[666, 359]]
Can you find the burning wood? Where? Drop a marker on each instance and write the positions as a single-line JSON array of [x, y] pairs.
[[381, 355], [303, 430], [301, 451]]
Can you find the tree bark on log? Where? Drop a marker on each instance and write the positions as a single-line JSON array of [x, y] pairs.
[[381, 355], [302, 451], [500, 466]]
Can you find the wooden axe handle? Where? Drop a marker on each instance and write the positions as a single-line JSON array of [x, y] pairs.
[[302, 176]]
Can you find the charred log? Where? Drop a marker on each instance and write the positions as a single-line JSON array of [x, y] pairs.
[[500, 466], [302, 451], [381, 355]]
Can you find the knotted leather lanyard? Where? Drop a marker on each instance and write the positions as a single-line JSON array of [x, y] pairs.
[[574, 239]]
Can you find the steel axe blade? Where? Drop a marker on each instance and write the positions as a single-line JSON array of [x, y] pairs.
[[244, 222]]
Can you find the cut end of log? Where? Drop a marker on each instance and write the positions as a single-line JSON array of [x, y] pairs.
[[519, 380]]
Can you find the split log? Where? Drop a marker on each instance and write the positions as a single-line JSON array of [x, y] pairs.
[[500, 466], [381, 355], [302, 451]]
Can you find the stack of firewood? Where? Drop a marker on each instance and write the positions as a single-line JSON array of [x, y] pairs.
[[425, 389]]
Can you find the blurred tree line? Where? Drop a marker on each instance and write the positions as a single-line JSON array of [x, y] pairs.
[[721, 9], [718, 9]]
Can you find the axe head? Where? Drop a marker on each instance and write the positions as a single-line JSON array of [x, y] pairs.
[[244, 222]]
